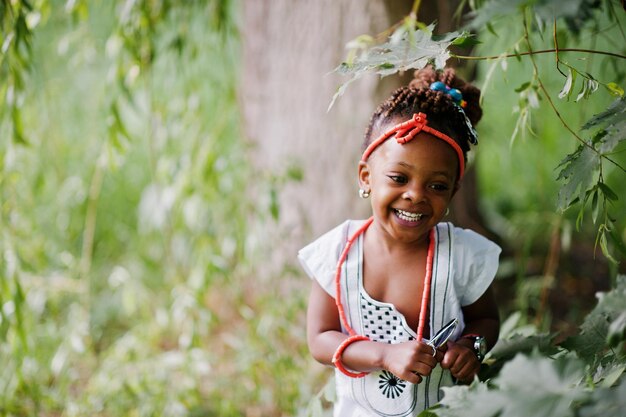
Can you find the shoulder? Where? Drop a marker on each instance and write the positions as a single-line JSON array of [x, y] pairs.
[[331, 240], [474, 260], [467, 240], [319, 258], [464, 240]]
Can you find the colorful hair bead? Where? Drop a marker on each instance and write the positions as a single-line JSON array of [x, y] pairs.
[[457, 98], [454, 93]]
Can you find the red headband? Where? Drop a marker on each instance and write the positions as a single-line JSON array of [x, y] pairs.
[[406, 131]]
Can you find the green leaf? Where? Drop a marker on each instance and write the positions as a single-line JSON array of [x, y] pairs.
[[613, 302], [466, 40], [518, 57], [527, 386], [615, 89], [617, 330], [608, 374], [522, 87], [566, 91], [491, 29], [475, 400], [611, 124], [605, 402], [406, 49], [603, 232], [580, 216], [550, 377], [611, 116], [618, 243], [592, 339], [608, 193], [428, 413], [386, 66], [595, 207], [508, 348], [579, 171]]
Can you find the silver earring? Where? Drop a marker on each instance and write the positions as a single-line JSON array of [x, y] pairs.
[[363, 194], [447, 211]]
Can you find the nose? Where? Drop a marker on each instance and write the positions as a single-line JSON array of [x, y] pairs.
[[414, 194]]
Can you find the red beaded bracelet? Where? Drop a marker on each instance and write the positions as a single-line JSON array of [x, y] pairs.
[[339, 352]]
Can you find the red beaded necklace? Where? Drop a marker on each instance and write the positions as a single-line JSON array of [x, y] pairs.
[[403, 133], [342, 315]]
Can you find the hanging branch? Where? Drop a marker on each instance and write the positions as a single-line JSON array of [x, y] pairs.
[[538, 52]]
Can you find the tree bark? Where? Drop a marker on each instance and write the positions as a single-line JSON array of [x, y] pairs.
[[289, 50]]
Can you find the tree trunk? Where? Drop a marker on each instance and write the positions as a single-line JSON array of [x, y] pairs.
[[289, 50]]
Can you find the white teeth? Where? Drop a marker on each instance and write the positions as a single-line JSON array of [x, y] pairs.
[[408, 216]]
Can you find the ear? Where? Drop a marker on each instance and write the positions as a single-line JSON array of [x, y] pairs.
[[364, 176]]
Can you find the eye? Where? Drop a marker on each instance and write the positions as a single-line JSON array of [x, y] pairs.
[[440, 187], [398, 179]]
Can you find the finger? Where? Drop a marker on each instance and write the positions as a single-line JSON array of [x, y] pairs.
[[467, 372], [427, 355], [427, 349], [411, 377], [449, 359], [429, 361], [459, 366], [423, 369]]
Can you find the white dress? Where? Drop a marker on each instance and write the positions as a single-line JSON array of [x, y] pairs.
[[464, 265]]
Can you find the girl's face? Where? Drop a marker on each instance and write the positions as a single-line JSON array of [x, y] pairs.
[[411, 186]]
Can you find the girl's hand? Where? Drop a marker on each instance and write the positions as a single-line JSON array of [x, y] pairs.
[[461, 361], [410, 361]]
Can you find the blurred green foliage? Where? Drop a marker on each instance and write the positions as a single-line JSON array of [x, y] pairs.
[[550, 250], [129, 281]]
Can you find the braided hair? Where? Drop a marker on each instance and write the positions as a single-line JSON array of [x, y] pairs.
[[443, 114]]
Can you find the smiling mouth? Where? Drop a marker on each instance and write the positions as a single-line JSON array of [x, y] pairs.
[[408, 216]]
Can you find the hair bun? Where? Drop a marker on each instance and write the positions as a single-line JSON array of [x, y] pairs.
[[424, 77]]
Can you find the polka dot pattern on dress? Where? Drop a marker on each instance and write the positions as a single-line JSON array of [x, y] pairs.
[[383, 323]]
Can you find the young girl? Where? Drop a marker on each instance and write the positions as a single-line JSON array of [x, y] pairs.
[[382, 287]]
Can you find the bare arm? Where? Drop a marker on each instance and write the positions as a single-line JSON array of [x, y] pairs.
[[405, 360], [481, 318]]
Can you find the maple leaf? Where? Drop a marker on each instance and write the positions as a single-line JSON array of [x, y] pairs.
[[602, 326], [527, 386], [405, 50], [580, 167], [606, 402]]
